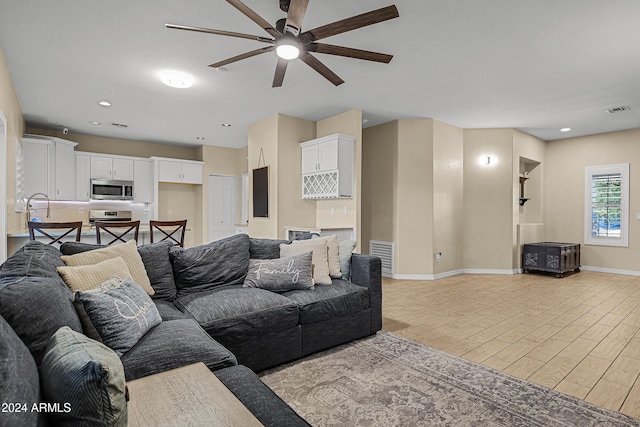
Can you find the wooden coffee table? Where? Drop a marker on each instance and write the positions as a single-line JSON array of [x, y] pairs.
[[187, 396]]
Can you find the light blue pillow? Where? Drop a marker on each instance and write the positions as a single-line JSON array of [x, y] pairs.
[[345, 249], [86, 379], [121, 312]]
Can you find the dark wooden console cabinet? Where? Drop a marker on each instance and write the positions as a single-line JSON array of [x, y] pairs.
[[551, 257]]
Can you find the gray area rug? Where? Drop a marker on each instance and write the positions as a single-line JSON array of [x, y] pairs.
[[386, 380]]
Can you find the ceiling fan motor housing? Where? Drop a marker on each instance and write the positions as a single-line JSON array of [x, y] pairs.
[[284, 5]]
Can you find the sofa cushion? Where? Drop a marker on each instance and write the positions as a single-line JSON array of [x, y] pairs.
[[173, 344], [326, 302], [265, 248], [86, 277], [129, 253], [72, 248], [280, 274], [168, 310], [35, 259], [155, 257], [319, 258], [267, 407], [86, 379], [36, 307], [240, 313], [121, 312], [223, 262], [19, 381]]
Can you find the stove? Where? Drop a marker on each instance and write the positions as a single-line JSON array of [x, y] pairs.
[[107, 215]]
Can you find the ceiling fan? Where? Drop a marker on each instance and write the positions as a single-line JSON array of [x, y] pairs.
[[289, 42]]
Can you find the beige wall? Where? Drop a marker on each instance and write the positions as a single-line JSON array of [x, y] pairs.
[[488, 199], [263, 138], [10, 107], [293, 211], [413, 194], [565, 194], [414, 225], [528, 220], [123, 147], [379, 183], [448, 190], [348, 123]]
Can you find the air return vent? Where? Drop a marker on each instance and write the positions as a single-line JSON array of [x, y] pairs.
[[618, 109], [384, 250], [119, 125]]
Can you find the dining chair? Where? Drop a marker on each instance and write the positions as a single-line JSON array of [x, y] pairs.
[[66, 228], [117, 229], [171, 230]]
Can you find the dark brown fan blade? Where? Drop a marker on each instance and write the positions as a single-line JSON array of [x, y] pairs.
[[281, 68], [349, 52], [242, 56], [254, 17], [349, 24], [297, 9], [314, 63], [220, 32]]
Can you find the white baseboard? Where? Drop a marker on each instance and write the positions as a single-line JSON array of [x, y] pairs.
[[448, 274], [497, 271], [611, 270]]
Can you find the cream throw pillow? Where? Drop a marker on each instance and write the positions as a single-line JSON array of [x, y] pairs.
[[129, 253], [87, 277], [318, 258], [333, 254]]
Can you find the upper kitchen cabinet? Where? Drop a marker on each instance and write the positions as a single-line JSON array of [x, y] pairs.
[[178, 171], [110, 167], [49, 167], [142, 179], [327, 167]]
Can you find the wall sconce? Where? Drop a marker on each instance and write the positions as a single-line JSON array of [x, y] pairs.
[[488, 160]]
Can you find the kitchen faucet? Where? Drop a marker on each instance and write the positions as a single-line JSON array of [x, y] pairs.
[[29, 208]]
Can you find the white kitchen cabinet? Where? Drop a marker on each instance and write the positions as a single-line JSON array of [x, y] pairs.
[[327, 167], [108, 167], [179, 171], [49, 167], [83, 177], [142, 178]]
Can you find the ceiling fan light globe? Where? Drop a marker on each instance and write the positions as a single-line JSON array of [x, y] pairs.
[[287, 51]]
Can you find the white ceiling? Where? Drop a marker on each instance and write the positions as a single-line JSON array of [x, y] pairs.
[[536, 65]]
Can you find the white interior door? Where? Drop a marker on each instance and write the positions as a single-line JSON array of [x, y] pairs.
[[3, 188], [223, 206]]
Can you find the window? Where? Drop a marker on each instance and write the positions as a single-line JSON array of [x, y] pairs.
[[607, 205]]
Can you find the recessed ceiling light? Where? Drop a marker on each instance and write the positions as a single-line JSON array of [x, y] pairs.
[[176, 79], [226, 125], [565, 129], [95, 123], [104, 103]]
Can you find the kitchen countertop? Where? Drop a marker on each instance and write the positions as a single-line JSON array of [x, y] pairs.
[[87, 230]]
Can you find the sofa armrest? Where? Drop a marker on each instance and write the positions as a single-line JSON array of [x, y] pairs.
[[366, 270]]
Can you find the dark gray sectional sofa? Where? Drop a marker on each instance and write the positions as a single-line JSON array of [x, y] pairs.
[[207, 316]]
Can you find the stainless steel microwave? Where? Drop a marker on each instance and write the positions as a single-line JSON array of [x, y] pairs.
[[108, 189]]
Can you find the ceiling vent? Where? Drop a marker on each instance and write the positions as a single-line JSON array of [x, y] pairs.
[[618, 109], [119, 125]]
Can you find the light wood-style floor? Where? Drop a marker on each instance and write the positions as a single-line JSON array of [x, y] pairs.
[[578, 334]]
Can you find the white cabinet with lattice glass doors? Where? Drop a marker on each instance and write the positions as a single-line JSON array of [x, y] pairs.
[[327, 167]]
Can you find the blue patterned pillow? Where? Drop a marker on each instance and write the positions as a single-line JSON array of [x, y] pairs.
[[86, 379], [281, 274], [121, 312]]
